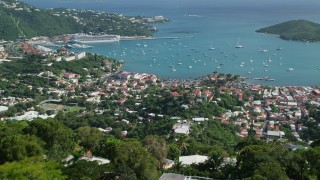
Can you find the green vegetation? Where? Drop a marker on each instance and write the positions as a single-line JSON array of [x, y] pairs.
[[142, 153], [22, 72], [24, 21], [298, 30], [60, 107]]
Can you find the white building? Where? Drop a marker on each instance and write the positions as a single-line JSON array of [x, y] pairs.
[[182, 129], [80, 55], [3, 108], [193, 159]]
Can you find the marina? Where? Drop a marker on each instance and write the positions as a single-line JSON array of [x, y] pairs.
[[226, 44]]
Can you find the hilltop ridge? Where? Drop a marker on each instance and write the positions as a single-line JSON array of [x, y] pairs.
[[297, 30]]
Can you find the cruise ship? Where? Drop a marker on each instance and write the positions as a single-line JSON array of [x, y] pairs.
[[96, 38]]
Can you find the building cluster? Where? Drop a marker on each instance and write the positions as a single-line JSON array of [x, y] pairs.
[[264, 116], [3, 53], [17, 6], [278, 106]]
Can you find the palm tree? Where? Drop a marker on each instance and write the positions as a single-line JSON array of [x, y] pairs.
[[182, 143]]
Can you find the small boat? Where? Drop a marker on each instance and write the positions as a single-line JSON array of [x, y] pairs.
[[263, 50], [239, 45], [290, 69], [78, 46], [189, 67], [211, 47], [278, 49], [174, 70]]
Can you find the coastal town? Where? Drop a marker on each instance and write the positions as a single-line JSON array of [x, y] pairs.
[[275, 107], [81, 115]]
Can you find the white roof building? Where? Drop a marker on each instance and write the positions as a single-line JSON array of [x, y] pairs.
[[193, 159], [31, 115], [200, 119], [99, 160], [182, 129], [275, 134], [3, 108]]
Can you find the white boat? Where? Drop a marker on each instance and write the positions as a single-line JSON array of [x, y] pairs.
[[263, 50], [173, 69], [238, 45], [189, 67], [211, 47], [290, 69], [78, 46], [265, 64], [84, 38]]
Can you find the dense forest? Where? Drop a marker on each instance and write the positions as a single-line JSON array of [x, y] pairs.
[[298, 30], [25, 21]]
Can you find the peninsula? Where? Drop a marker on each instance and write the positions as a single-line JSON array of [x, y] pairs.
[[22, 21], [297, 30]]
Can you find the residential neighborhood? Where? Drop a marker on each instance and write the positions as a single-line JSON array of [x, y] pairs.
[[70, 110]]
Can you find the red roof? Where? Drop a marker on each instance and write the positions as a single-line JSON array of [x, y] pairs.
[[174, 94]]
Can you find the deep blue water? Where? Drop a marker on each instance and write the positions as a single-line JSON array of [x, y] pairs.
[[220, 24]]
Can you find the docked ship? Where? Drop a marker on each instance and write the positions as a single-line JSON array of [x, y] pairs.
[[83, 38]]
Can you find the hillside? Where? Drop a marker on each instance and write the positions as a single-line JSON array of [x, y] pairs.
[[298, 30], [19, 20]]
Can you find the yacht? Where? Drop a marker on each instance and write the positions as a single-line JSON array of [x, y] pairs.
[[211, 47], [290, 69], [263, 50], [239, 45], [173, 69]]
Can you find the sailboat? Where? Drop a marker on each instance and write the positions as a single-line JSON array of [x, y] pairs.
[[211, 47], [239, 45], [173, 69]]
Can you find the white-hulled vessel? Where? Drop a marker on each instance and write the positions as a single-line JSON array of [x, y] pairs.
[[239, 45], [84, 38]]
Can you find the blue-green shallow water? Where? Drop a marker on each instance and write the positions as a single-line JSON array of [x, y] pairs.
[[221, 25]]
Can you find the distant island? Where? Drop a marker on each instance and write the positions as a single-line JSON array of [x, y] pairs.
[[297, 30]]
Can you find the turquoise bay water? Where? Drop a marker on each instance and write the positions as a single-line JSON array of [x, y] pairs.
[[200, 26]]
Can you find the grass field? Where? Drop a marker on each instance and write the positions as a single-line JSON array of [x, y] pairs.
[[60, 107]]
